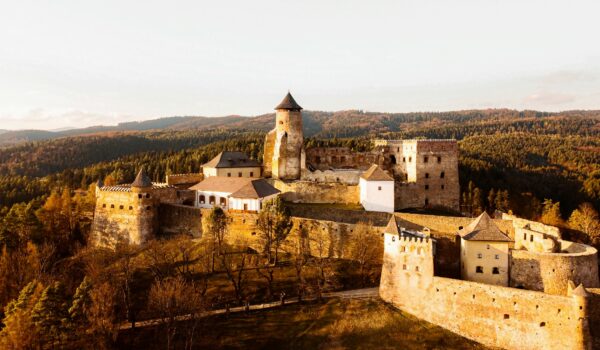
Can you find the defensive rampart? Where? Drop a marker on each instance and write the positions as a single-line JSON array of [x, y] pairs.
[[316, 192]]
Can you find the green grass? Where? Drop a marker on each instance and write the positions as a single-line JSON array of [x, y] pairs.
[[335, 324]]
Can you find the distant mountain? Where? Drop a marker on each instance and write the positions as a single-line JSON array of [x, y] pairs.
[[350, 123], [2, 131]]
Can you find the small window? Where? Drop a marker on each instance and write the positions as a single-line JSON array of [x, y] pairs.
[[531, 238], [495, 271], [439, 159], [239, 174], [121, 207], [488, 246], [426, 201], [103, 205], [427, 175], [442, 187], [402, 249], [147, 195], [379, 188], [281, 122], [211, 200], [148, 207], [130, 207], [479, 269], [253, 233], [245, 207], [442, 174], [542, 324], [497, 256], [524, 236], [479, 256], [403, 266], [140, 196], [228, 174], [426, 187], [251, 174], [506, 317], [417, 268], [425, 159], [342, 159], [409, 159], [202, 199], [403, 159], [112, 206], [222, 201], [393, 238]]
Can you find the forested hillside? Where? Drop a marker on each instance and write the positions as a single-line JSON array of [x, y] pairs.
[[532, 155]]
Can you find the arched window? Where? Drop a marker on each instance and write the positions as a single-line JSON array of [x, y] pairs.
[[393, 159], [223, 201], [427, 175], [202, 199], [495, 271], [211, 200]]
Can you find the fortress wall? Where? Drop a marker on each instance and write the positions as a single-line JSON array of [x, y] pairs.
[[348, 177], [493, 315], [533, 225], [184, 179], [340, 215], [448, 224], [180, 219], [550, 272], [122, 215], [324, 158], [315, 192], [594, 316]]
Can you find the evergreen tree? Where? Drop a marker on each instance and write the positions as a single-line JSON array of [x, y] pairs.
[[50, 315]]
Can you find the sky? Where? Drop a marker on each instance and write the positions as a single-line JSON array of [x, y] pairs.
[[78, 63]]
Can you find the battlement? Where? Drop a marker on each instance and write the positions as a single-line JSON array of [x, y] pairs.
[[127, 187]]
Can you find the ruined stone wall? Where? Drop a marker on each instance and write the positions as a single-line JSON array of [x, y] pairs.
[[324, 158], [493, 315], [347, 177], [268, 151], [594, 316], [316, 192], [551, 272]]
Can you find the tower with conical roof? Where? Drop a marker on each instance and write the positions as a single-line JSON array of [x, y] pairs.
[[283, 145]]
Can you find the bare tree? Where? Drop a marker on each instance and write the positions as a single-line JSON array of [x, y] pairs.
[[173, 299], [586, 219], [101, 315], [319, 249], [233, 263], [274, 225], [366, 249]]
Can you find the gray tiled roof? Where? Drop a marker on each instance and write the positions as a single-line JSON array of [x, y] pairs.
[[231, 159], [375, 173], [142, 179], [237, 187], [288, 102]]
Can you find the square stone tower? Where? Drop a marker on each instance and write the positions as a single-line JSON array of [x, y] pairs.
[[284, 144]]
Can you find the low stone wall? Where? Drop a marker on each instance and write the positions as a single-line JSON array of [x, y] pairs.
[[315, 192], [180, 219], [493, 315], [449, 224], [317, 212], [180, 180], [550, 272]]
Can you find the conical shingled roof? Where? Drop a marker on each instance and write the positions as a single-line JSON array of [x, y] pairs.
[[142, 179], [288, 102], [375, 173], [483, 229], [392, 226]]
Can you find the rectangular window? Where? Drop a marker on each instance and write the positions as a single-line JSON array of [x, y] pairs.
[[488, 246], [403, 159], [379, 188], [426, 187], [439, 159], [417, 268], [442, 187], [479, 256], [425, 159], [228, 174], [479, 269], [403, 266], [239, 174], [497, 256], [251, 174], [495, 271], [531, 238]]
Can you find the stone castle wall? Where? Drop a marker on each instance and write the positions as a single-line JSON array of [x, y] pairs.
[[317, 192], [550, 272], [177, 219], [325, 158], [493, 315], [347, 177], [184, 180]]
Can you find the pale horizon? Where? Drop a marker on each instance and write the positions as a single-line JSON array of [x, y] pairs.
[[73, 64]]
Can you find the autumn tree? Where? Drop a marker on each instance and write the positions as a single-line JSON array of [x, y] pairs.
[[216, 226], [551, 213], [101, 315], [50, 316], [20, 332], [585, 219]]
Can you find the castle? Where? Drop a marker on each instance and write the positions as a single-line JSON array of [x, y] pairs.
[[504, 282]]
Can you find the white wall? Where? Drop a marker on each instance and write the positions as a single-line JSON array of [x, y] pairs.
[[254, 172], [207, 194], [377, 195]]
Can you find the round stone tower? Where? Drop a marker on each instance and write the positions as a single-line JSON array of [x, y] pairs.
[[283, 145], [145, 209]]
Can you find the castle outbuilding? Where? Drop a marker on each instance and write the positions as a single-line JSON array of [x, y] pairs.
[[232, 164], [283, 150], [484, 252], [377, 190], [233, 193]]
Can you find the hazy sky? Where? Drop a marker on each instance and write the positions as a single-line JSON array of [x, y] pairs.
[[79, 63]]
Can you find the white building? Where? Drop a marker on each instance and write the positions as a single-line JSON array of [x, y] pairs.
[[377, 190], [484, 252], [233, 193]]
